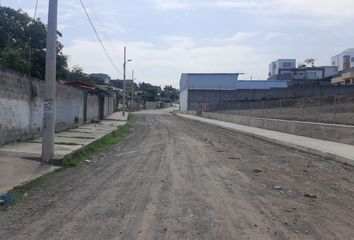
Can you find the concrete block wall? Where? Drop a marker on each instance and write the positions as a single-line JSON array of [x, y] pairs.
[[108, 106], [92, 107], [14, 106], [330, 132], [21, 107], [228, 99], [69, 107]]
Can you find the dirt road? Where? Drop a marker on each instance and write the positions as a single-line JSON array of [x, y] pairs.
[[178, 179]]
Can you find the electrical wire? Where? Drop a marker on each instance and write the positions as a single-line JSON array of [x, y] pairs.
[[100, 21], [99, 38], [35, 11]]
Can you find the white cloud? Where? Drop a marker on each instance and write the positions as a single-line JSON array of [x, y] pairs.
[[242, 36], [164, 65], [171, 4], [232, 4], [239, 37], [305, 12], [178, 41], [272, 35]]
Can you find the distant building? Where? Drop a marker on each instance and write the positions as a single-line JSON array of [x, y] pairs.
[[277, 66], [345, 77], [344, 60], [218, 82], [280, 70]]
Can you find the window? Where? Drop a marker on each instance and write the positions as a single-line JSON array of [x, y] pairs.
[[311, 75], [352, 59], [287, 65]]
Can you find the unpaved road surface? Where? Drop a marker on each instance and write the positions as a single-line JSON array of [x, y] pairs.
[[177, 179]]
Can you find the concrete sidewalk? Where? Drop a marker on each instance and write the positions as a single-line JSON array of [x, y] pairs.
[[337, 151], [20, 162]]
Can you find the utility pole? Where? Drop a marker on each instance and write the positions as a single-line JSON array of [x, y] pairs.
[[132, 106], [124, 68], [50, 84], [124, 77]]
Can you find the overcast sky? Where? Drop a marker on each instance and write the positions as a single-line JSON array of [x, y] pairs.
[[168, 37]]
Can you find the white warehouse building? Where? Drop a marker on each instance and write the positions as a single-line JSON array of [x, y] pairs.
[[220, 81]]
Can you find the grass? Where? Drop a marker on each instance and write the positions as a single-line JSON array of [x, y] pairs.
[[19, 193]]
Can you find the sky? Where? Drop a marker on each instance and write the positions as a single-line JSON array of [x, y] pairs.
[[166, 38]]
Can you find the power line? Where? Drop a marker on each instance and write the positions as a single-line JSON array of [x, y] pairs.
[[99, 20], [99, 38], [35, 11]]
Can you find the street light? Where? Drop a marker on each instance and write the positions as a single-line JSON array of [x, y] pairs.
[[124, 76]]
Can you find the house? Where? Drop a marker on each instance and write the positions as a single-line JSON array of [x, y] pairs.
[[277, 66], [345, 77], [302, 75], [344, 60]]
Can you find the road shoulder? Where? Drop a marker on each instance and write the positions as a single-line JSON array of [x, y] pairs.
[[340, 152]]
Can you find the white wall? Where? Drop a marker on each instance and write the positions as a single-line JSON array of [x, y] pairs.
[[338, 59], [275, 66], [183, 98]]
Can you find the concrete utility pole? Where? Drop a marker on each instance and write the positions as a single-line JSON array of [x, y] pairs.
[[50, 84], [124, 77], [124, 67], [132, 91]]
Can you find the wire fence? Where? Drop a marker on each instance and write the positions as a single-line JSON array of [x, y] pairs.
[[334, 109]]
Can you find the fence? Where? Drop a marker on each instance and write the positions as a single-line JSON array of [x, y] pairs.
[[334, 109]]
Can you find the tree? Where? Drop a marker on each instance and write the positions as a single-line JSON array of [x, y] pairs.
[[149, 91], [23, 44], [77, 73], [11, 58], [171, 93], [310, 61]]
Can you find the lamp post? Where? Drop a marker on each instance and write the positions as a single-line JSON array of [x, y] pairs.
[[124, 76]]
